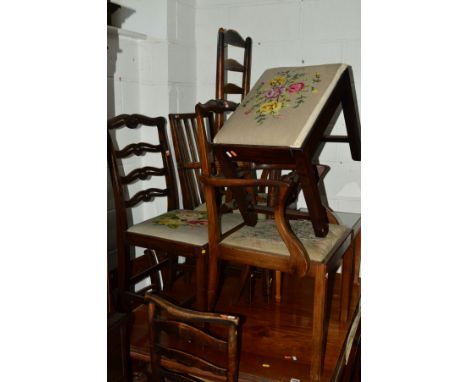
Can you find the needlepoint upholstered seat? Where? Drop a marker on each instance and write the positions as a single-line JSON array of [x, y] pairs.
[[264, 237], [138, 155], [183, 226], [282, 106]]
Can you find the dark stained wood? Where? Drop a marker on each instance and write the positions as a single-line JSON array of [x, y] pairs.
[[117, 350], [273, 333], [124, 201], [185, 142], [186, 338], [342, 97], [298, 262], [225, 64]]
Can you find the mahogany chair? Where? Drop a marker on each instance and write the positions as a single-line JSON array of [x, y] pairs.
[[282, 244], [186, 345], [186, 148], [177, 232], [136, 165]]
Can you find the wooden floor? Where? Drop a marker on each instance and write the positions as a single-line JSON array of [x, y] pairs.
[[276, 338]]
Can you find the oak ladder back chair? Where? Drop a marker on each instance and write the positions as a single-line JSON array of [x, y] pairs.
[[187, 345], [281, 244], [224, 64], [224, 87]]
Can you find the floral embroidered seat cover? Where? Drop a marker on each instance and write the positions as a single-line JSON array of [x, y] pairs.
[[282, 106]]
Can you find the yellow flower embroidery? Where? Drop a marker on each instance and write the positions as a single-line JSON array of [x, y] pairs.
[[278, 81], [271, 107], [287, 89]]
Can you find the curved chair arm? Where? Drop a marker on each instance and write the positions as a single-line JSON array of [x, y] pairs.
[[299, 259]]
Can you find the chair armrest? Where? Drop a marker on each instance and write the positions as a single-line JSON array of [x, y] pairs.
[[299, 258]]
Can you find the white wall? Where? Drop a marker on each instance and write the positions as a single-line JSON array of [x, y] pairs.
[[164, 61], [150, 70], [290, 33]]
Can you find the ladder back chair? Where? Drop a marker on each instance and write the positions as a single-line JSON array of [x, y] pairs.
[[177, 232], [187, 345], [224, 64], [282, 244], [139, 154], [227, 40]]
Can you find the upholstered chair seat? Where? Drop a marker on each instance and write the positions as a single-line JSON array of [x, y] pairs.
[[184, 226], [264, 237]]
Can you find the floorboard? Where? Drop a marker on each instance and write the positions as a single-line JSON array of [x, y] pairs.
[[276, 337]]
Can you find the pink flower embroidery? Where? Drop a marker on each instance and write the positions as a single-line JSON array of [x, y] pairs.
[[294, 88], [274, 92]]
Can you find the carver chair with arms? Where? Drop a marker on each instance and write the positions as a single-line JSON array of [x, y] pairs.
[[282, 244]]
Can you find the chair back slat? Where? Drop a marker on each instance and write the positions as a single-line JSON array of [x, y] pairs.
[[191, 344], [233, 65], [233, 38], [176, 377], [147, 195], [191, 333], [138, 149], [233, 89], [190, 360], [143, 173]]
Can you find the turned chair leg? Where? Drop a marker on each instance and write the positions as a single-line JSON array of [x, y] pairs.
[[319, 323]]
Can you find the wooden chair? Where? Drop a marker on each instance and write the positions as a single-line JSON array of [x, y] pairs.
[[186, 148], [224, 64], [226, 87], [177, 232], [186, 345], [281, 244]]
